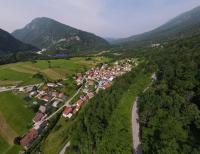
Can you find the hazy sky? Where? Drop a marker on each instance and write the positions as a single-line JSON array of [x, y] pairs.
[[107, 18]]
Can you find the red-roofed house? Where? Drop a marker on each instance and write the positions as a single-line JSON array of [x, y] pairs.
[[90, 95], [46, 98], [28, 139], [67, 111], [79, 102], [38, 117]]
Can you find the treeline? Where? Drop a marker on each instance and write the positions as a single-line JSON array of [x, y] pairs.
[[94, 122], [170, 110]]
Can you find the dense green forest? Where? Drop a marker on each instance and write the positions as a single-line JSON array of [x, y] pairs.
[[169, 110], [104, 125]]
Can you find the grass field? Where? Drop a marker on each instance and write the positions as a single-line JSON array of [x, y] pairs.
[[22, 72], [57, 138], [14, 117]]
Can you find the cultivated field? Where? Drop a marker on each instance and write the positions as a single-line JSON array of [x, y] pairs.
[[14, 117], [22, 72]]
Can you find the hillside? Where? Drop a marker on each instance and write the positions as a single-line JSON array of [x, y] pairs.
[[48, 33], [8, 44], [183, 25]]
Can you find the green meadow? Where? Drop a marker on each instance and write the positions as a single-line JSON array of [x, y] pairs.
[[22, 72], [14, 119]]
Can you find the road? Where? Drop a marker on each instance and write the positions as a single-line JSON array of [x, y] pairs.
[[136, 128], [135, 121], [10, 88], [64, 148]]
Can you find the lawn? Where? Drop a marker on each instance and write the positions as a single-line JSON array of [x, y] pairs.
[[3, 145], [14, 117], [57, 138], [22, 72], [15, 113]]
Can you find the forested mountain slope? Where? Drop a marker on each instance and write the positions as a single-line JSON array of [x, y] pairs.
[[53, 35], [170, 110], [8, 44], [186, 24]]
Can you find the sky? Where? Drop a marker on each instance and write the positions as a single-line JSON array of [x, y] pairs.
[[106, 18]]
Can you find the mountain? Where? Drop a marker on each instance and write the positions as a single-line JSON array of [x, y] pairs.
[[50, 34], [183, 25], [8, 44]]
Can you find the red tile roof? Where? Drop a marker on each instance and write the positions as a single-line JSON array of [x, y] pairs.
[[29, 137], [38, 117], [79, 102], [67, 110]]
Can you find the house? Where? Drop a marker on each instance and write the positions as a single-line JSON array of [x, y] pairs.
[[38, 117], [28, 139], [76, 109], [51, 85], [46, 98], [69, 115], [55, 104], [67, 110], [79, 102], [107, 85], [45, 88], [61, 95], [54, 94], [33, 93], [90, 95], [42, 108]]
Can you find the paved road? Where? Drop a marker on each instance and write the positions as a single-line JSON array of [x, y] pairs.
[[135, 123], [10, 88], [136, 128], [64, 148]]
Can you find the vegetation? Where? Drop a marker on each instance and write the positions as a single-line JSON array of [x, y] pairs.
[[13, 109], [169, 111], [30, 72], [8, 44], [108, 114], [58, 37], [14, 119]]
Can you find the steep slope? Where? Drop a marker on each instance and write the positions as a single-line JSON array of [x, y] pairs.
[[183, 25], [8, 44], [48, 33]]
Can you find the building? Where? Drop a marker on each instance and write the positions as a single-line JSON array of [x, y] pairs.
[[28, 139], [55, 104], [38, 117], [90, 95], [79, 102], [67, 110], [42, 108]]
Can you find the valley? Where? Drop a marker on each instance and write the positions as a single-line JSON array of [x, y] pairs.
[[98, 77]]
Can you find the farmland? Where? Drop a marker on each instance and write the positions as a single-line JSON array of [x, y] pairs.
[[22, 72], [14, 117]]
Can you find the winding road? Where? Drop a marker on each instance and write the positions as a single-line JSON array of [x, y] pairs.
[[135, 121], [136, 128]]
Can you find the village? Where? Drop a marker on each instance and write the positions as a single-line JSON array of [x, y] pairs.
[[51, 100]]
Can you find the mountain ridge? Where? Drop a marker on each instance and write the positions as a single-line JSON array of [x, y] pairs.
[[184, 24], [9, 44], [48, 33]]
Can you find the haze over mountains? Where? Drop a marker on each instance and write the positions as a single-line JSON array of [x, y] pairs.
[[185, 24], [8, 44], [48, 33]]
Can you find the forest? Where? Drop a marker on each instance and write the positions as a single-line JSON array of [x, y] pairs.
[[104, 124], [169, 110]]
